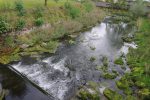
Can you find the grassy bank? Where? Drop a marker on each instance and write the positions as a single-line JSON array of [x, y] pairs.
[[139, 60], [51, 24], [137, 81]]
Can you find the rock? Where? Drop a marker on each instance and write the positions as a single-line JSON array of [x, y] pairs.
[[112, 95], [23, 46]]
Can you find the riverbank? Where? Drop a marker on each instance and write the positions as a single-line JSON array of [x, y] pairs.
[[135, 84], [139, 60], [53, 23]]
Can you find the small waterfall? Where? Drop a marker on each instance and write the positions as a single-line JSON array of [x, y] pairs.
[[52, 77]]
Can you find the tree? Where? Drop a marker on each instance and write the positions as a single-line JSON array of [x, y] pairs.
[[138, 8], [45, 2]]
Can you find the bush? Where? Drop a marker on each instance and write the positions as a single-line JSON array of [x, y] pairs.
[[74, 12], [39, 22], [138, 8], [71, 10], [20, 8], [38, 12], [9, 41], [67, 5], [88, 6], [20, 24], [4, 26], [59, 32]]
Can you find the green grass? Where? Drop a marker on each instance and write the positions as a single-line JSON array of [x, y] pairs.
[[139, 59], [55, 15], [30, 3]]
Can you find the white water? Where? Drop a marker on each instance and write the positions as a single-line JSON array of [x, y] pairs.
[[40, 74]]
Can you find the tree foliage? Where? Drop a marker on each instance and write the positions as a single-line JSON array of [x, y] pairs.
[[138, 8]]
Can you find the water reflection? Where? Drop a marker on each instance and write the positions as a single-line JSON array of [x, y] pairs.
[[17, 88], [14, 84]]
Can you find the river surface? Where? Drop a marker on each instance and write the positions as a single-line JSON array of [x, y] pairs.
[[62, 73]]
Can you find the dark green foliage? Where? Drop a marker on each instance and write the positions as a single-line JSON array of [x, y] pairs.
[[92, 59], [38, 12], [4, 26], [119, 61], [39, 22], [20, 24], [9, 41], [112, 95], [105, 61], [85, 95], [88, 6], [138, 8], [20, 8], [72, 10], [110, 75]]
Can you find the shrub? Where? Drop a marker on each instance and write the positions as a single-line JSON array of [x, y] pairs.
[[59, 32], [4, 26], [20, 8], [9, 41], [71, 10], [67, 5], [74, 12], [88, 6], [20, 24], [38, 12], [39, 22], [138, 8]]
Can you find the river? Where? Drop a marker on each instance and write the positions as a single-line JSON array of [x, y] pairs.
[[59, 75]]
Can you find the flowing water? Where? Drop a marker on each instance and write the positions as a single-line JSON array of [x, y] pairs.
[[62, 73]]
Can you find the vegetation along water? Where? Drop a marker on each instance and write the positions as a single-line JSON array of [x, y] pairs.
[[74, 49]]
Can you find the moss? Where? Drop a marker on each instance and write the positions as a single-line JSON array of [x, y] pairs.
[[144, 92], [92, 59], [71, 42], [129, 97], [105, 61], [93, 85], [3, 93], [112, 95], [92, 48], [13, 56], [110, 75], [122, 83], [9, 58], [127, 39], [128, 91], [119, 61], [140, 84], [49, 47], [86, 95]]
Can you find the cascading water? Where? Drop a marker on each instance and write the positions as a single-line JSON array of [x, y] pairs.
[[60, 74]]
